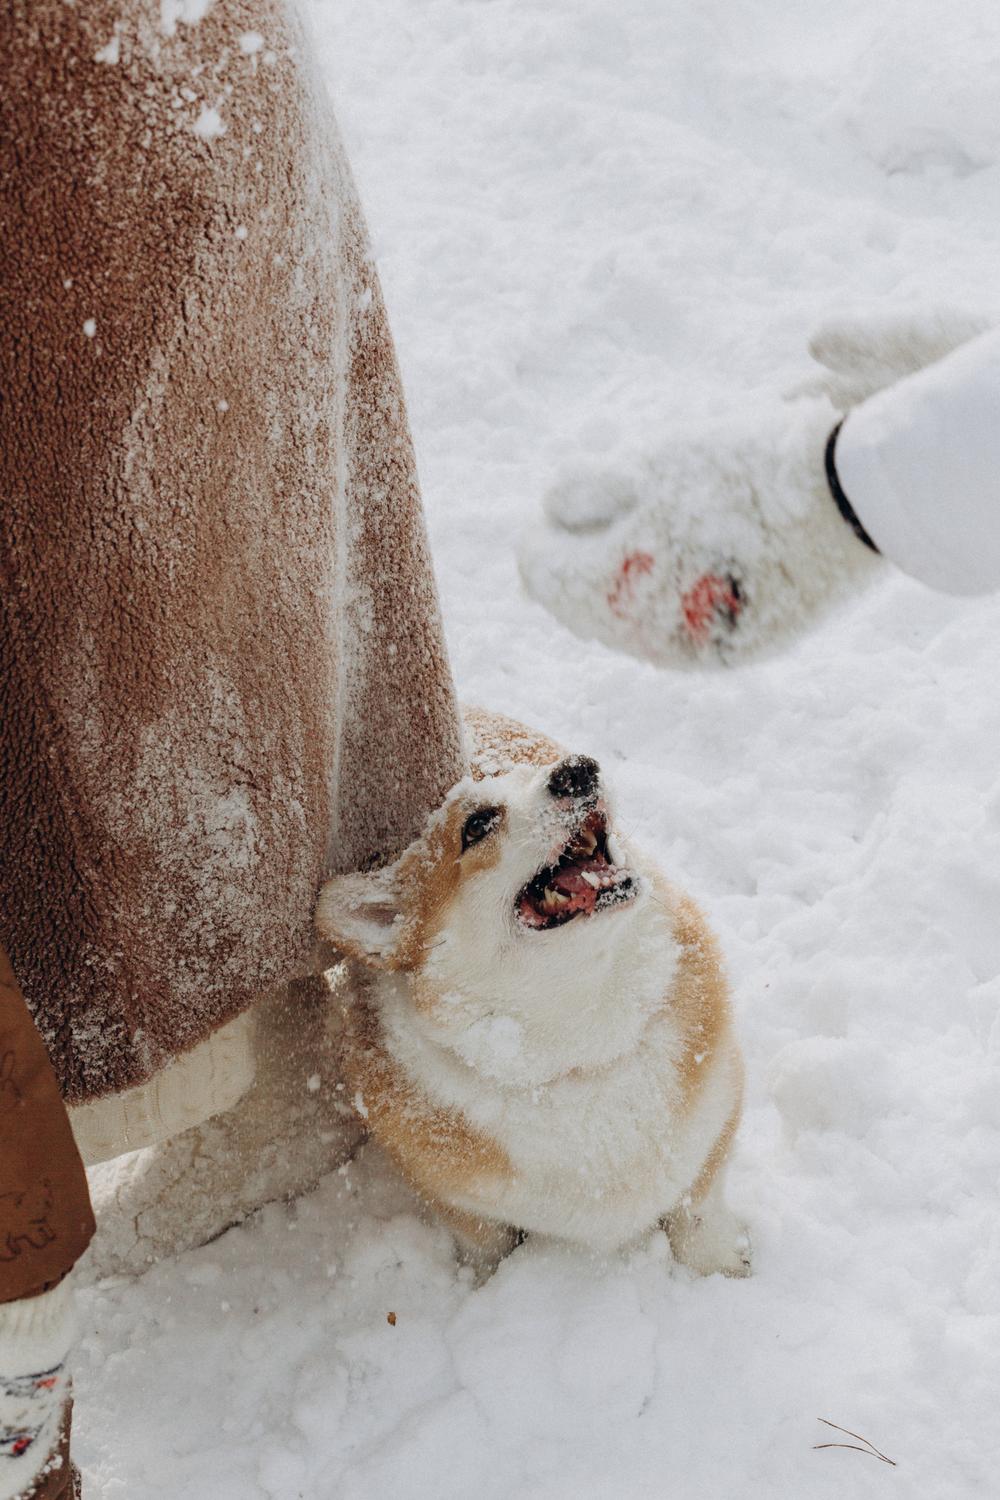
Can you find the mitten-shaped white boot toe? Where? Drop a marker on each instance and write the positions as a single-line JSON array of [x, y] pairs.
[[721, 546]]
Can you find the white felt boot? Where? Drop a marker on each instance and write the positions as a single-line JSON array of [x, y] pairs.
[[721, 546], [726, 543], [289, 1129]]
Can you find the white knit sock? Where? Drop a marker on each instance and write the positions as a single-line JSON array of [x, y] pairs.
[[35, 1337]]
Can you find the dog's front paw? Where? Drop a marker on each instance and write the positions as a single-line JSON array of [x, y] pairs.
[[710, 1243], [479, 1243]]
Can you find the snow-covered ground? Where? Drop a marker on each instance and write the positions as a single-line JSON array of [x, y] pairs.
[[588, 214]]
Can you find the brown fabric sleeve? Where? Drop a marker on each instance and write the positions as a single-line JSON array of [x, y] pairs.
[[46, 1220]]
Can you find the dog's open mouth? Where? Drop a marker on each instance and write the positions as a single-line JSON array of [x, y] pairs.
[[584, 880]]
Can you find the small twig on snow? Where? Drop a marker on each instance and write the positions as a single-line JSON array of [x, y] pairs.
[[868, 1448]]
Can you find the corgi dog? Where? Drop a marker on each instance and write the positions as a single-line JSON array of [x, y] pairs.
[[539, 1031]]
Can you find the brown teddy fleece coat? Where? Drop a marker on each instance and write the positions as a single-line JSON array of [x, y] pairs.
[[222, 674]]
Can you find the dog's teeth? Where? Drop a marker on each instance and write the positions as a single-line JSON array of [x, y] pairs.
[[592, 879]]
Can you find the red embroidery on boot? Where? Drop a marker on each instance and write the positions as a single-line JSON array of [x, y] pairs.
[[711, 598], [622, 592]]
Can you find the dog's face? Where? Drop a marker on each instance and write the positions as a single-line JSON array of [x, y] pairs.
[[520, 855], [519, 905]]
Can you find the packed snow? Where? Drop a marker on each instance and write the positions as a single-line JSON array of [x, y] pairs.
[[589, 215]]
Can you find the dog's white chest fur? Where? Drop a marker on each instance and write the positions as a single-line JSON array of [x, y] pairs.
[[580, 1085]]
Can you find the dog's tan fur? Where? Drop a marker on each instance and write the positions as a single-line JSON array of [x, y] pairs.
[[699, 993]]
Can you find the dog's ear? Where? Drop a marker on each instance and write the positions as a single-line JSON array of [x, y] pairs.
[[362, 916]]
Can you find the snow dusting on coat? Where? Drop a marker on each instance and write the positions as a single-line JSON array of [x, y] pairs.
[[221, 669]]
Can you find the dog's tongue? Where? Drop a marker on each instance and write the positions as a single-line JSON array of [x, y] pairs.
[[573, 888], [572, 881]]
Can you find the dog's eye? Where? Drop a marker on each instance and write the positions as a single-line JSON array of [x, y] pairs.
[[479, 825]]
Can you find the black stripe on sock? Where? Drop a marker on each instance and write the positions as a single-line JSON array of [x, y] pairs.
[[844, 505]]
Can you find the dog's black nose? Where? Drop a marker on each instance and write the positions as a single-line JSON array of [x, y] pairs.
[[577, 776]]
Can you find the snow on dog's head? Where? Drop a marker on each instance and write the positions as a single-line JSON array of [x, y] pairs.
[[514, 918], [518, 855]]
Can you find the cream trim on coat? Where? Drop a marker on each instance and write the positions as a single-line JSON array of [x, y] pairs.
[[197, 1085]]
